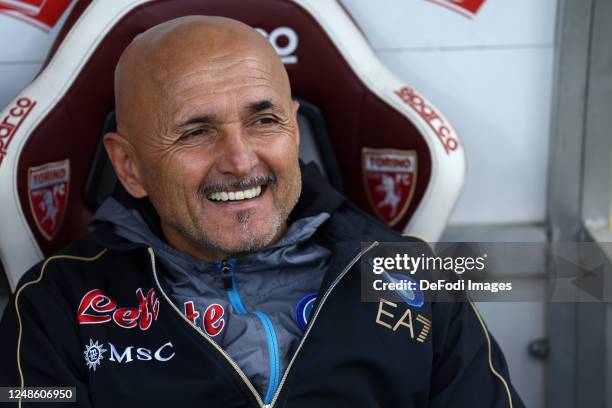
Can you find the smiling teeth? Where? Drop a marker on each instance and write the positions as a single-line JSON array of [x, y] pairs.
[[235, 195]]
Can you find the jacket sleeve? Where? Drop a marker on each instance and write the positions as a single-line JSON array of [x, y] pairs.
[[39, 344], [469, 369]]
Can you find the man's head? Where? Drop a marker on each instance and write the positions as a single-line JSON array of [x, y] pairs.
[[206, 121]]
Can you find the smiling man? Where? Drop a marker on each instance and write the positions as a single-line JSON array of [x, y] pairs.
[[210, 136], [222, 273]]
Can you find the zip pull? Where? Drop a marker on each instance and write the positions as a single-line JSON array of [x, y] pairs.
[[227, 274], [226, 267]]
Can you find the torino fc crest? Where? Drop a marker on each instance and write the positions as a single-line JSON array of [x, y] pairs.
[[48, 187], [389, 176]]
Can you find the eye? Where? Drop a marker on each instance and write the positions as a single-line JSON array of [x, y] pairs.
[[266, 120], [193, 133]]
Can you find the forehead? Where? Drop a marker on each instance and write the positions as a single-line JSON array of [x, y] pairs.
[[218, 82]]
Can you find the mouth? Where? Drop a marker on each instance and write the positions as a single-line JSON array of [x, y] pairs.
[[237, 195]]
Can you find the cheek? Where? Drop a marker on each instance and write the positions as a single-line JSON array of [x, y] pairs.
[[283, 162], [282, 156], [174, 179]]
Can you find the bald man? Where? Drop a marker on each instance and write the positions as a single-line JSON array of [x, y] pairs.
[[221, 273]]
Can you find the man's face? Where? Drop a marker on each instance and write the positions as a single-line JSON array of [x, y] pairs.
[[219, 159]]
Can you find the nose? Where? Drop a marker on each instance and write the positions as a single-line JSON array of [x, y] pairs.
[[236, 156]]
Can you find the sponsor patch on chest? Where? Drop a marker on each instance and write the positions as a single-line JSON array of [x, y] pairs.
[[97, 353], [212, 318], [394, 316], [97, 307]]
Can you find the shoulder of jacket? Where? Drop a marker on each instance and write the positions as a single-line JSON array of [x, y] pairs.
[[366, 227], [76, 255]]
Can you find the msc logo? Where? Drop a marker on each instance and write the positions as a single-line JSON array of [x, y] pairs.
[[285, 42], [163, 353], [94, 354]]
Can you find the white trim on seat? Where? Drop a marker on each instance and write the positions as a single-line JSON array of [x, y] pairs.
[[448, 169]]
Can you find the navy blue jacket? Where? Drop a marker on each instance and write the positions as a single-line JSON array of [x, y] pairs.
[[97, 316]]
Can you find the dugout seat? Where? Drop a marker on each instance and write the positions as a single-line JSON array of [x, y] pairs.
[[376, 138]]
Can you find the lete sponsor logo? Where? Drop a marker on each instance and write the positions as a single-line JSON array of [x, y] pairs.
[[12, 121], [42, 14], [467, 8], [390, 177], [97, 307], [213, 321], [436, 123], [48, 187], [94, 353]]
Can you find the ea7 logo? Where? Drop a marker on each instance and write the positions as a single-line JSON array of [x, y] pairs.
[[388, 317], [285, 42], [97, 307]]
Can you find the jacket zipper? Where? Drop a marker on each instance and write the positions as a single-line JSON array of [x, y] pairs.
[[310, 324], [273, 355], [232, 363], [316, 314], [226, 267]]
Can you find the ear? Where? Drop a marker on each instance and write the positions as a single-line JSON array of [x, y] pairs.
[[121, 154], [296, 106]]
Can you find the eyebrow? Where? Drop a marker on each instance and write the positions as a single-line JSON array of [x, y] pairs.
[[196, 120], [260, 106]]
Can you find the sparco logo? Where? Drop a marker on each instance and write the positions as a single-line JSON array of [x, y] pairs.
[[445, 135], [285, 42], [97, 307], [11, 122], [94, 353]]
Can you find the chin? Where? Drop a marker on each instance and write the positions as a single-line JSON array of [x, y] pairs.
[[243, 240]]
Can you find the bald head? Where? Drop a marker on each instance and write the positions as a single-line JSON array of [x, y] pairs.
[[175, 52], [207, 129]]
